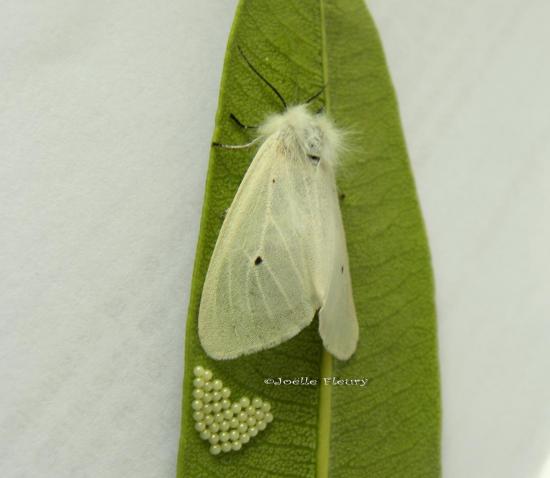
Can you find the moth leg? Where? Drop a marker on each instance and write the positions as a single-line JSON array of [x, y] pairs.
[[241, 124], [236, 146], [341, 194], [224, 214], [315, 96]]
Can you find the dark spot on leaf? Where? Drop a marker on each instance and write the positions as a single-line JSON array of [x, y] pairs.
[[273, 179], [342, 196], [258, 261]]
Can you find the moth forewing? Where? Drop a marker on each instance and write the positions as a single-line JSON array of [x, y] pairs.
[[273, 266]]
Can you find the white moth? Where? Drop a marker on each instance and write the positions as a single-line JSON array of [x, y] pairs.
[[281, 253]]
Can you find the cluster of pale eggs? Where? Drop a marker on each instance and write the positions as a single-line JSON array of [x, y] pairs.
[[225, 424]]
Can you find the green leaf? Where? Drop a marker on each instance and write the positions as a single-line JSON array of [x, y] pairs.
[[391, 428]]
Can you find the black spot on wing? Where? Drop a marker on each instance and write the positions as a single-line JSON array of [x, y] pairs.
[[258, 261]]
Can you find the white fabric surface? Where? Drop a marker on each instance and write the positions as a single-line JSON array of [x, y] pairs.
[[472, 79], [106, 114]]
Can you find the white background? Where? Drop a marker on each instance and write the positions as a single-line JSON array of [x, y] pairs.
[[106, 114]]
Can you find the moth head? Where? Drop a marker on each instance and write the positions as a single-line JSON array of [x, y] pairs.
[[295, 119]]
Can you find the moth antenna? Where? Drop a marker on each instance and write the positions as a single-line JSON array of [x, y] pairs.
[[316, 95], [262, 77], [241, 124]]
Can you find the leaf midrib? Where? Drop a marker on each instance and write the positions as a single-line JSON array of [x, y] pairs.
[[325, 392]]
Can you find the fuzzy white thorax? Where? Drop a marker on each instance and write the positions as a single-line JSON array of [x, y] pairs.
[[315, 134]]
